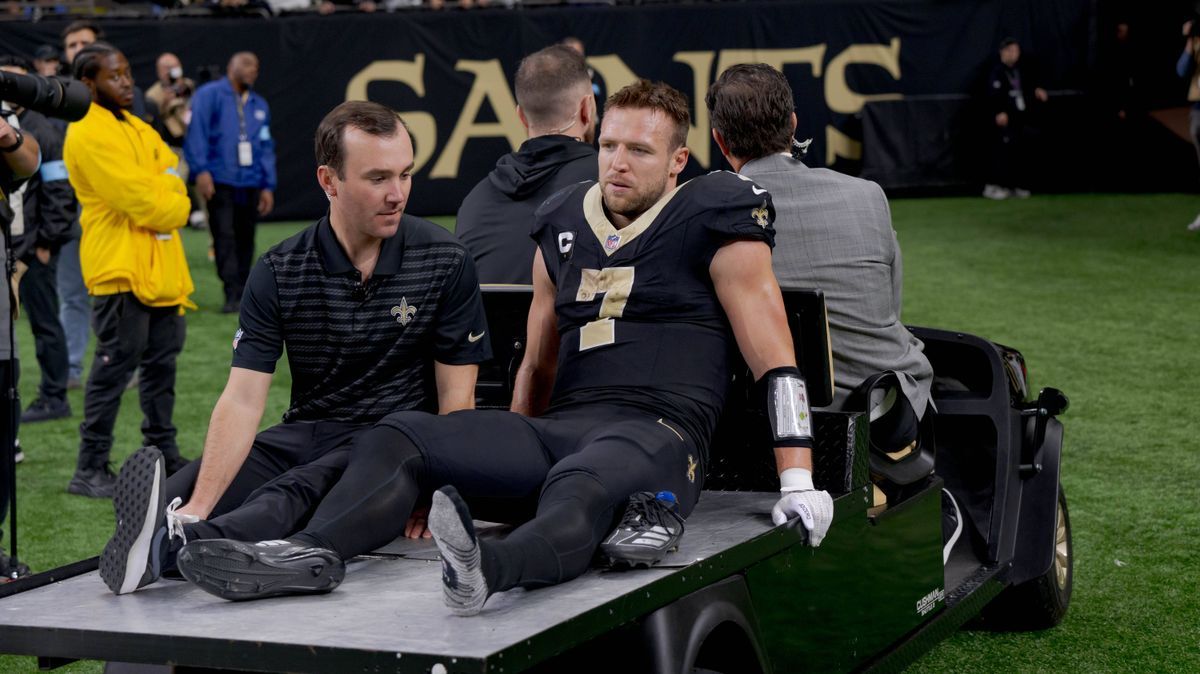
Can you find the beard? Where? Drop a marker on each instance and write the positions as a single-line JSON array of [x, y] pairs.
[[638, 201]]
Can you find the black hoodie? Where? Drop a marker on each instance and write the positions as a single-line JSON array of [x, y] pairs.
[[495, 219]]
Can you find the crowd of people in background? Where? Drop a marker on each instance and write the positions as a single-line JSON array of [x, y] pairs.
[[128, 160]]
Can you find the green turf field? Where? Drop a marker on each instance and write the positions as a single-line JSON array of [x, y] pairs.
[[1099, 292]]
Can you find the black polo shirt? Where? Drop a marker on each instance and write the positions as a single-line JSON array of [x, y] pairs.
[[359, 351]]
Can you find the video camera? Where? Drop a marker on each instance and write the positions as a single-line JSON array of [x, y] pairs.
[[59, 97]]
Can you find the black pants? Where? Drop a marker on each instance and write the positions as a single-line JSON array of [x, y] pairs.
[[232, 215], [11, 416], [39, 296], [289, 469], [582, 464], [130, 336]]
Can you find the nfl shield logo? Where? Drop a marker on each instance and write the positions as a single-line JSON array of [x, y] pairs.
[[611, 243]]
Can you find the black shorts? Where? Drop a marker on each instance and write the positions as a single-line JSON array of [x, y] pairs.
[[490, 454]]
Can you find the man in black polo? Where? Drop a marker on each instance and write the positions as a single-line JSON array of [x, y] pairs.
[[378, 311], [556, 104]]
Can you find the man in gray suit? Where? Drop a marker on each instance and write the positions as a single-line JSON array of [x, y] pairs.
[[832, 232]]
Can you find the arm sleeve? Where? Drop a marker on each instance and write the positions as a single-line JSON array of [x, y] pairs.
[[267, 153], [461, 323], [195, 143], [258, 342], [156, 201]]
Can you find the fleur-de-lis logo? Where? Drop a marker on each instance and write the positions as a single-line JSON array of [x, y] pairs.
[[760, 216], [404, 312], [691, 470]]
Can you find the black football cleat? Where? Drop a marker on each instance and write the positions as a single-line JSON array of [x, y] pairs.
[[238, 570], [649, 530]]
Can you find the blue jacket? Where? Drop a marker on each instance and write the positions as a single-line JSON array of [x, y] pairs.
[[212, 138]]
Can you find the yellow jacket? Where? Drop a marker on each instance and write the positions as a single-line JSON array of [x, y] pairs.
[[132, 203]]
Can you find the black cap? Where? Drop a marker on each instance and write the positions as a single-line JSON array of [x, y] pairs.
[[47, 52]]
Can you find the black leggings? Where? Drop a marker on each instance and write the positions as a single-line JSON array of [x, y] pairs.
[[582, 464]]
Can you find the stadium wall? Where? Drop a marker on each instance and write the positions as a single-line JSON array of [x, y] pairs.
[[899, 75]]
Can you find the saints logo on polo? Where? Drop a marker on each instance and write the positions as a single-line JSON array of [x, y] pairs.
[[404, 311], [761, 216]]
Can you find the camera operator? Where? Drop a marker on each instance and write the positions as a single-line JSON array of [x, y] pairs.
[[171, 93], [49, 216], [20, 157]]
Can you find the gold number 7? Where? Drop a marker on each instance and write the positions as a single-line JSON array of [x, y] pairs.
[[615, 283]]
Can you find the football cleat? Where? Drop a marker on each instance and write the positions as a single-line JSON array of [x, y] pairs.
[[238, 570], [464, 589], [650, 528]]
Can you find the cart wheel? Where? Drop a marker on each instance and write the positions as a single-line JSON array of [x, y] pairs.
[[1042, 602]]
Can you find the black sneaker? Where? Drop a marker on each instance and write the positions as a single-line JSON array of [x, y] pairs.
[[464, 589], [93, 482], [45, 410], [649, 530], [952, 523], [147, 531], [237, 570]]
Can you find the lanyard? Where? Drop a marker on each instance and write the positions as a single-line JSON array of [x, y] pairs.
[[241, 115]]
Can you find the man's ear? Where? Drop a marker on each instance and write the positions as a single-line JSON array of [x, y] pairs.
[[587, 109], [524, 121], [325, 178], [720, 141], [794, 122], [679, 160]]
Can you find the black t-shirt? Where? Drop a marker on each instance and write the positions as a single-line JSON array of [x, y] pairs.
[[638, 317], [360, 351]]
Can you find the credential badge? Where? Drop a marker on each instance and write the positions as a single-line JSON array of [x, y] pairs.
[[404, 312]]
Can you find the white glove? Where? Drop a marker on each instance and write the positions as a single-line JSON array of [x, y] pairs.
[[813, 507]]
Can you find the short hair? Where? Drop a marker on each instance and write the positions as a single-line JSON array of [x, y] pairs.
[[83, 24], [371, 118], [87, 61], [547, 84], [16, 61], [649, 95], [752, 105]]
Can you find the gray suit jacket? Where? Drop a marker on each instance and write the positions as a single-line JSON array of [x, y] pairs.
[[834, 232]]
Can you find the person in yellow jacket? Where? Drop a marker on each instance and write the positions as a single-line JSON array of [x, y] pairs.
[[133, 264]]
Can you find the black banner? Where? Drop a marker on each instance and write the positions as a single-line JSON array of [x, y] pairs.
[[450, 73]]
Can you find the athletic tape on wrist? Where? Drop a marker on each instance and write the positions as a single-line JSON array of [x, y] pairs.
[[796, 479], [787, 407]]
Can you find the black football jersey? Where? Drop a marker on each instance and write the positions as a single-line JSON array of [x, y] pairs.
[[638, 317]]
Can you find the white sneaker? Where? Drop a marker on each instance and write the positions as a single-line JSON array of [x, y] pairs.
[[1195, 226], [996, 192]]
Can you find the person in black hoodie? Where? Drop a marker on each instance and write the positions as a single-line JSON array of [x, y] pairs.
[[558, 108], [49, 220]]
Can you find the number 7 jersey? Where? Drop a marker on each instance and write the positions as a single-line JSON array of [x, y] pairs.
[[639, 321]]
